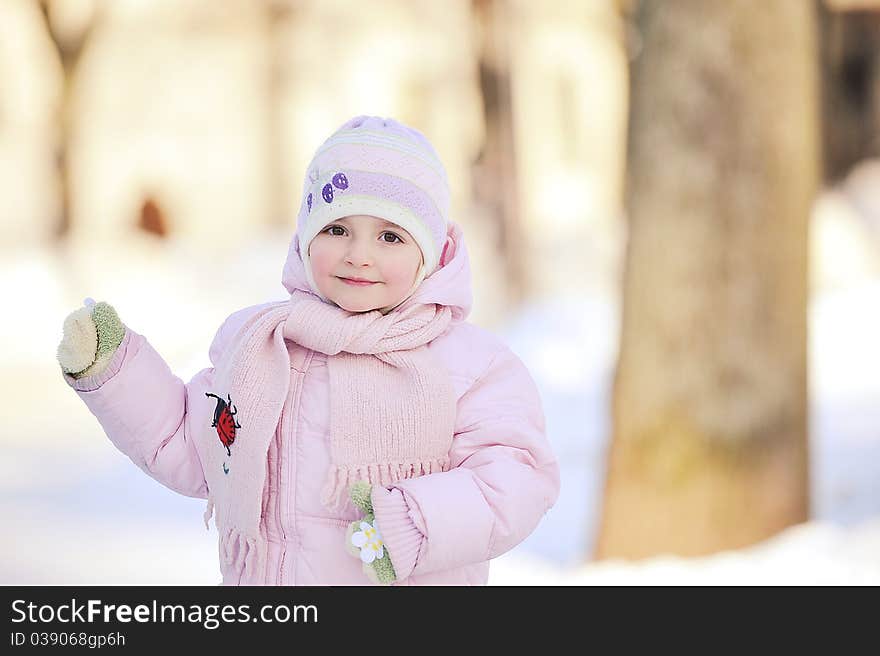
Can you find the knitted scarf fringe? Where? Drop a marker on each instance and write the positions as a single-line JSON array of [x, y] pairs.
[[245, 554], [341, 477]]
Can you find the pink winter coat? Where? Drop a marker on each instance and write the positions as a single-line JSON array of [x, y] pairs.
[[440, 528]]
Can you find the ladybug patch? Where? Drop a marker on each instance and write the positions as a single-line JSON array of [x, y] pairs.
[[224, 420]]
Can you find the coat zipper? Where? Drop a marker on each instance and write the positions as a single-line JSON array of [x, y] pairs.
[[296, 380], [278, 497]]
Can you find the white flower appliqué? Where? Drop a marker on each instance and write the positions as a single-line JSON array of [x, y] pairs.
[[369, 541]]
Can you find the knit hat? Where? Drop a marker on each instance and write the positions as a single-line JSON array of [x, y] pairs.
[[378, 167]]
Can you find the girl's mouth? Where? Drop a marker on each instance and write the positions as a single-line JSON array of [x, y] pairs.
[[357, 283]]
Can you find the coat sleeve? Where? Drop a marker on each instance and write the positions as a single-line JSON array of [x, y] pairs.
[[503, 478], [143, 408]]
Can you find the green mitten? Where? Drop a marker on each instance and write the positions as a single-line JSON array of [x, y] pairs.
[[109, 327], [363, 539], [91, 336]]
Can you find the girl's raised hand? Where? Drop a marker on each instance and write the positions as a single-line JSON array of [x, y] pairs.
[[91, 335]]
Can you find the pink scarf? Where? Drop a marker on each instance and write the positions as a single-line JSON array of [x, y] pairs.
[[392, 406]]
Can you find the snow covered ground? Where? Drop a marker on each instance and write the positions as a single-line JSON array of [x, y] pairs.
[[75, 511]]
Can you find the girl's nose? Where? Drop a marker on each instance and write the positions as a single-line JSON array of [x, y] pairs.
[[359, 253]]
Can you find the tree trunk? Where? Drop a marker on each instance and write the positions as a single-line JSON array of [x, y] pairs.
[[69, 48], [709, 447], [850, 89], [494, 176]]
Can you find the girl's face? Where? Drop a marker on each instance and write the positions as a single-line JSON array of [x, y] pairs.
[[364, 247]]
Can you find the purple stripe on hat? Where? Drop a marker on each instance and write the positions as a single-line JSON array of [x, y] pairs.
[[425, 154], [396, 190], [385, 159]]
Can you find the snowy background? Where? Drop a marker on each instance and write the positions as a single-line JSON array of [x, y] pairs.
[[76, 511]]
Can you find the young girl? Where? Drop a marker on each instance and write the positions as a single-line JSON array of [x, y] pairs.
[[360, 431]]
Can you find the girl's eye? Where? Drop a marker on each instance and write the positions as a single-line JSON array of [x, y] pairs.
[[330, 230]]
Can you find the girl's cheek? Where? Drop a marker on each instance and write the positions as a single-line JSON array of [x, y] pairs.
[[321, 258], [397, 271]]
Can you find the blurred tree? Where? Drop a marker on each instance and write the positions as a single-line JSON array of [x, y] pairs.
[[70, 32], [277, 14], [494, 172], [850, 85], [709, 450]]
